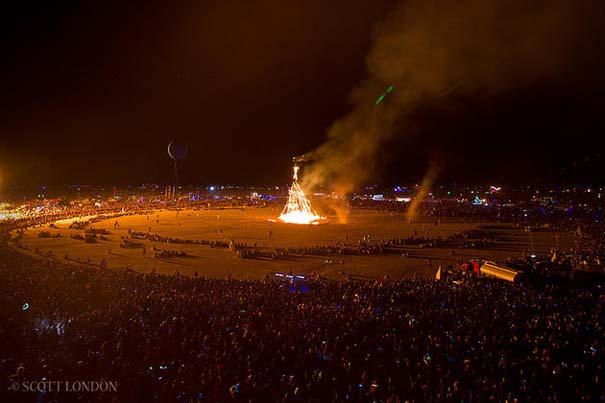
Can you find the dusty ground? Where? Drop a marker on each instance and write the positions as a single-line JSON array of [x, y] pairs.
[[253, 226]]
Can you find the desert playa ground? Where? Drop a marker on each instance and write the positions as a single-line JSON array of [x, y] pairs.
[[253, 226]]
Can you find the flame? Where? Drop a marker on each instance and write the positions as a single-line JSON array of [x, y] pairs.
[[298, 209]]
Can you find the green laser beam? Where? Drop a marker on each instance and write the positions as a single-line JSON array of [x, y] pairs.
[[381, 98]]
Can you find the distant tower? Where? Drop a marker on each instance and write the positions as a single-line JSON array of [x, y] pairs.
[[177, 152]]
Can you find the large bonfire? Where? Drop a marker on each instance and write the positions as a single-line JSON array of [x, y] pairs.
[[298, 209]]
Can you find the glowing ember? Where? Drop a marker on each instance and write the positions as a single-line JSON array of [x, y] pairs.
[[298, 209]]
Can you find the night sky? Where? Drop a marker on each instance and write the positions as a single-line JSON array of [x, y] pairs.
[[92, 92]]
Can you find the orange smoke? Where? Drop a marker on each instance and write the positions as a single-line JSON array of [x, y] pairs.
[[427, 49], [425, 188]]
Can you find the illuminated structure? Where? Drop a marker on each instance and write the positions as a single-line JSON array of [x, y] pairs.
[[176, 152], [298, 208], [491, 269]]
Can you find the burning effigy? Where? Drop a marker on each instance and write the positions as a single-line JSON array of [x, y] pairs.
[[298, 208]]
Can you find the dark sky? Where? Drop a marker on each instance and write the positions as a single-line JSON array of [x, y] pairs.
[[92, 92]]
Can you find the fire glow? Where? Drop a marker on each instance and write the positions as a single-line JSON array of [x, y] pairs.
[[298, 209]]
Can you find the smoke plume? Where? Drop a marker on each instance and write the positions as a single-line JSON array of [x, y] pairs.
[[425, 187], [429, 49]]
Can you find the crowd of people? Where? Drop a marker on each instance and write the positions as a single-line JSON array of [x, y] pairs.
[[167, 253], [569, 212], [47, 234], [468, 239], [173, 240], [360, 248], [475, 239], [174, 338], [76, 224]]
